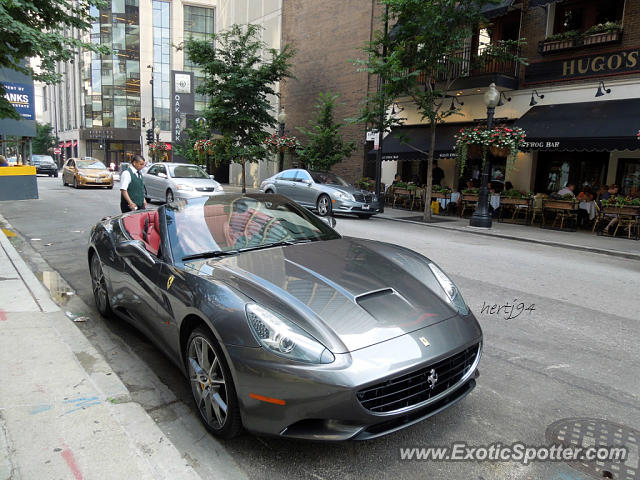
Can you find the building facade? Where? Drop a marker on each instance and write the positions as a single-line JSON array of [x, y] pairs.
[[572, 46]]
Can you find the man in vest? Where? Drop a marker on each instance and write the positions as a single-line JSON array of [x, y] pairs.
[[132, 186]]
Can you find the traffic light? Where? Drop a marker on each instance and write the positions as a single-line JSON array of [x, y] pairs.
[[149, 136]]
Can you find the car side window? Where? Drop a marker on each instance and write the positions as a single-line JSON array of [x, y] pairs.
[[72, 164], [290, 176], [302, 175], [161, 169], [153, 170]]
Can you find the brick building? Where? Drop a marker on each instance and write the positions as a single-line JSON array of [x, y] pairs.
[[579, 130]]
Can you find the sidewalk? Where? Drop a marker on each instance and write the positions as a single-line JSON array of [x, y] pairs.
[[64, 413], [580, 240]]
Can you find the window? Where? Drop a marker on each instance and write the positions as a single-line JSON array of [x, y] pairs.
[[161, 61], [289, 175], [581, 15], [198, 24]]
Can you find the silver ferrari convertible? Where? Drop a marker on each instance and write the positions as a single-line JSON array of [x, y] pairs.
[[282, 326]]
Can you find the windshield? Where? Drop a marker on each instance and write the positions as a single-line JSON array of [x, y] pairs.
[[231, 223], [328, 178], [90, 163], [41, 159], [187, 171]]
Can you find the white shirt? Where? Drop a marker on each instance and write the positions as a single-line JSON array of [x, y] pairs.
[[125, 178], [566, 191]]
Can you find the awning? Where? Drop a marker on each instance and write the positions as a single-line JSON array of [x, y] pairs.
[[67, 143], [75, 143], [168, 146], [408, 142], [587, 126], [494, 10]]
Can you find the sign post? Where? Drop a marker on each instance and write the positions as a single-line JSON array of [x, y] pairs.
[[182, 104]]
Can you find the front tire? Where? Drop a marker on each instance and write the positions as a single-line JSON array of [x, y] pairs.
[[55, 174], [323, 205], [170, 197], [365, 216], [99, 286], [75, 182], [212, 386]]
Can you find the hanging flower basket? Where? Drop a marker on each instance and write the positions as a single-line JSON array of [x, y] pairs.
[[277, 143], [158, 149], [501, 141], [204, 146]]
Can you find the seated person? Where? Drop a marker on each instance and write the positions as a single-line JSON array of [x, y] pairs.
[[568, 190], [508, 186], [612, 191], [585, 195]]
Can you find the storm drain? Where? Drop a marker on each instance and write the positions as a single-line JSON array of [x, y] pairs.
[[594, 432]]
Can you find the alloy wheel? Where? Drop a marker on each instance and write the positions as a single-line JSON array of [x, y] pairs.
[[75, 182], [170, 197], [99, 286], [324, 206], [208, 383]]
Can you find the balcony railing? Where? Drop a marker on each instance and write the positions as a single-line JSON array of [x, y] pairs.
[[477, 62]]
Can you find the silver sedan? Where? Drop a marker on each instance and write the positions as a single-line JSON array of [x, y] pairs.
[[325, 192], [166, 182]]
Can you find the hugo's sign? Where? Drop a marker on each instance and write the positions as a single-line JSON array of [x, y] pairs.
[[621, 62]]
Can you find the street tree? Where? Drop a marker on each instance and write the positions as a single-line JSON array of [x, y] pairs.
[[43, 141], [240, 76], [324, 146], [421, 58], [195, 130], [35, 29]]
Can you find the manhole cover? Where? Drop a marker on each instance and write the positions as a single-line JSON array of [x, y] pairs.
[[594, 432]]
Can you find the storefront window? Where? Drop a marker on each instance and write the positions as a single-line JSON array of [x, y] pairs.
[[161, 62], [628, 175], [557, 169]]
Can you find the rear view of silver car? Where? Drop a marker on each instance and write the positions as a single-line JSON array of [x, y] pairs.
[[166, 182], [325, 192]]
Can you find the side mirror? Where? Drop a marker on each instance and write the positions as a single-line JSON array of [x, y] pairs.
[[134, 248], [306, 181], [212, 177]]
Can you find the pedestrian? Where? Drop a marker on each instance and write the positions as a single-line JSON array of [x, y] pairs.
[[132, 186], [437, 173], [3, 161]]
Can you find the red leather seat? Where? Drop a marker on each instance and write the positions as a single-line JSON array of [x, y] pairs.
[[217, 219], [144, 226]]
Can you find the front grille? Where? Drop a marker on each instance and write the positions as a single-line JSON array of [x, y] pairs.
[[415, 387], [205, 189], [363, 198]]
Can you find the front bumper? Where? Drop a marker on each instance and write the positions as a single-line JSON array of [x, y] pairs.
[[47, 170], [321, 401], [187, 194], [347, 206], [97, 182]]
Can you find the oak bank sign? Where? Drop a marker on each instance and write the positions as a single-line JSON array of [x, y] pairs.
[[621, 62]]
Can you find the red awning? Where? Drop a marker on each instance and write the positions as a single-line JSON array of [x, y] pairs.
[[67, 143], [61, 144], [168, 146], [75, 143]]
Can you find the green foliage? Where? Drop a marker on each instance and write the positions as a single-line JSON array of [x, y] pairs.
[[239, 83], [568, 35], [43, 140], [190, 135], [604, 28], [324, 147], [35, 28]]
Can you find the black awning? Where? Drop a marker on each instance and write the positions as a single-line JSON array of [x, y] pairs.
[[494, 10], [586, 126], [409, 142]]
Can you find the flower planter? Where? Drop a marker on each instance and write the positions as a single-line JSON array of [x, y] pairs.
[[439, 195], [603, 37], [499, 151], [560, 204], [514, 201], [470, 197], [627, 210], [555, 45]]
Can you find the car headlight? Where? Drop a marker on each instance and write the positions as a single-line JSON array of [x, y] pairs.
[[285, 338], [344, 196], [186, 188], [453, 294], [220, 188]]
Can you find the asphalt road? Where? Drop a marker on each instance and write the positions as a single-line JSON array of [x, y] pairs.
[[573, 354]]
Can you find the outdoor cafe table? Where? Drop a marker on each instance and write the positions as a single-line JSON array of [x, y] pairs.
[[590, 207]]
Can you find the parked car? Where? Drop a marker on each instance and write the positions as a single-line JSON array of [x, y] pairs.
[[45, 164], [282, 326], [172, 181], [86, 171], [325, 192]]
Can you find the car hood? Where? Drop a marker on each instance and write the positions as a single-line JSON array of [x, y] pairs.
[[349, 293], [348, 189], [93, 171]]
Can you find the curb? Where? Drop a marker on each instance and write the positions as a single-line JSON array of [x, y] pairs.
[[568, 246]]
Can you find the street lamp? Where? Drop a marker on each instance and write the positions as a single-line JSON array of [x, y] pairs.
[[282, 118], [156, 131], [481, 217]]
